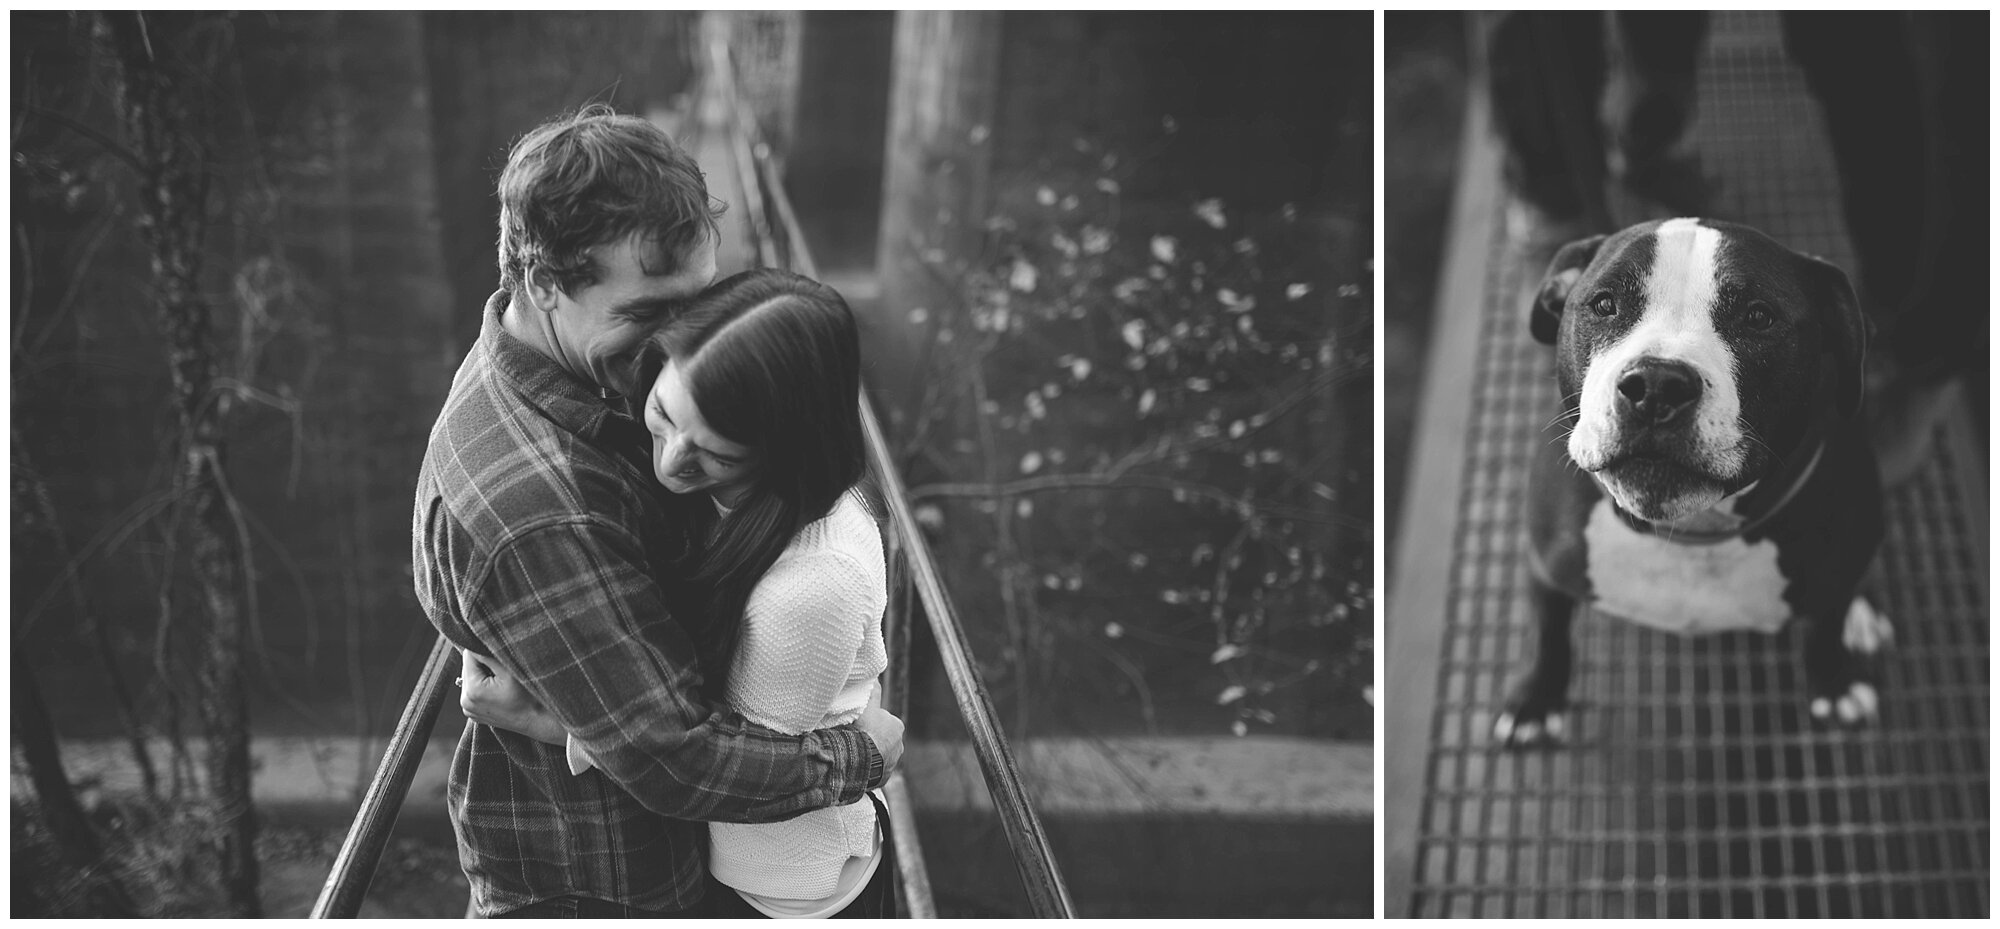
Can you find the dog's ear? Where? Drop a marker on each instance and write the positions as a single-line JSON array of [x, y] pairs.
[[1847, 328], [1545, 316]]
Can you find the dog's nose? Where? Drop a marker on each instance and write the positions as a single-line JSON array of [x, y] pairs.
[[1655, 391]]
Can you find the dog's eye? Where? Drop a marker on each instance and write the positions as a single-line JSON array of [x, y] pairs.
[[1604, 305], [1758, 315]]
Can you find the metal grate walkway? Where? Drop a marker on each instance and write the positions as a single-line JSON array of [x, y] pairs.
[[1695, 784]]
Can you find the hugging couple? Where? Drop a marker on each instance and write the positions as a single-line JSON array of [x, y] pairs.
[[639, 520]]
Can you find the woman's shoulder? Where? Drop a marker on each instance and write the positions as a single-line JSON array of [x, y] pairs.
[[845, 539], [847, 530], [836, 559]]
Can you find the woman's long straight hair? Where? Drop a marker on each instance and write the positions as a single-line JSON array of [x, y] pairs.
[[773, 361]]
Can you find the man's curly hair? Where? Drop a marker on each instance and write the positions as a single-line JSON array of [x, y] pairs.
[[591, 178]]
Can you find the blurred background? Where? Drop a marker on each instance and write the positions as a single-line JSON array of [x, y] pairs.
[[1114, 272], [1424, 83]]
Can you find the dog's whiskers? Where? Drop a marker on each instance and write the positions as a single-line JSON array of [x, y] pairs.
[[1751, 435], [1572, 406]]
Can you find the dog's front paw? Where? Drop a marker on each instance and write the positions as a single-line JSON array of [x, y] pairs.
[[1866, 630], [1855, 706], [1531, 721], [1839, 674]]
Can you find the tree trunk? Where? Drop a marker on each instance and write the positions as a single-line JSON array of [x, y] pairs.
[[934, 203], [75, 840], [157, 105], [36, 524]]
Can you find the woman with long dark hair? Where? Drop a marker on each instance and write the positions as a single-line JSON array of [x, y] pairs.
[[755, 406]]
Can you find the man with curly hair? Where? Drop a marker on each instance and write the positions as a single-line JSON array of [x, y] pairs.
[[543, 548]]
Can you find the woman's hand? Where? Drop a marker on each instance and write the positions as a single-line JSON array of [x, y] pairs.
[[491, 696]]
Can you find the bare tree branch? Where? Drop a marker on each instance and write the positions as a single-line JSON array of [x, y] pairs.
[[1109, 481], [108, 144]]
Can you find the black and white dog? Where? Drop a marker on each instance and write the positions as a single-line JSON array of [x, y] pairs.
[[1712, 474]]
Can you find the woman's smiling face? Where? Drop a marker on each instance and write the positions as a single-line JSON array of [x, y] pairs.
[[688, 456]]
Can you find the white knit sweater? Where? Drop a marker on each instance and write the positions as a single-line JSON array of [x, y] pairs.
[[808, 656]]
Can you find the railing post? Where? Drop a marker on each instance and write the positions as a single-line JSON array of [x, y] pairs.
[[896, 631], [1040, 876], [1047, 892], [913, 881], [354, 867]]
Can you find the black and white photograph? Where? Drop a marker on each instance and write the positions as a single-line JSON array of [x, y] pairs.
[[1686, 410], [917, 464], [764, 464]]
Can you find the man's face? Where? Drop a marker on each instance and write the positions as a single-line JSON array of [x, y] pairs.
[[598, 329]]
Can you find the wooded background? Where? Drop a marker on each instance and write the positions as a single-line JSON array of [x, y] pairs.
[[238, 302]]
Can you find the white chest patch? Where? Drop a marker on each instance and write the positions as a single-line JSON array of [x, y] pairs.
[[1688, 589]]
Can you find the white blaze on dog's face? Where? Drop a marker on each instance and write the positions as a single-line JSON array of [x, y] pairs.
[[1673, 322]]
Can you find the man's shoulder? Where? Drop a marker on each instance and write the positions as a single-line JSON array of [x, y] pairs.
[[502, 467]]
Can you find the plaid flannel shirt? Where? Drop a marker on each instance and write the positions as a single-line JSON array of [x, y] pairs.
[[538, 537]]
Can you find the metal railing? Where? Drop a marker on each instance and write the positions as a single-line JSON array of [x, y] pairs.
[[777, 241], [1041, 877], [354, 866]]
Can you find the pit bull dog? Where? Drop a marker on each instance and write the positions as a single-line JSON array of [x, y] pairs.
[[1711, 473]]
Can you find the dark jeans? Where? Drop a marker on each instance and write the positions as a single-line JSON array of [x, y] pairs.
[[877, 900], [1547, 73], [1905, 101], [591, 908]]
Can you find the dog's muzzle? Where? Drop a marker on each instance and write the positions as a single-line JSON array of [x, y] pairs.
[[1656, 392]]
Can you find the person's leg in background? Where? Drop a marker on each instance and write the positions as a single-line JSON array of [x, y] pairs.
[[1557, 83], [1650, 103], [1905, 100], [1545, 78]]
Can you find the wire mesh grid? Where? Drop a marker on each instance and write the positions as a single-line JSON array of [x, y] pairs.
[[1694, 782]]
